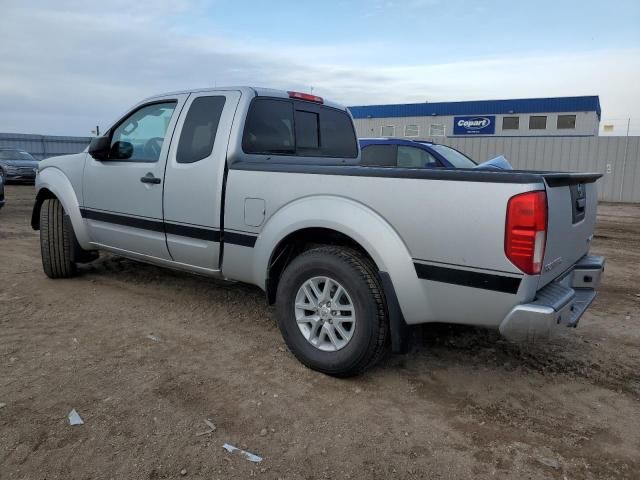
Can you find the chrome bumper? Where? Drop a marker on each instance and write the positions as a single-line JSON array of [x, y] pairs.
[[559, 304]]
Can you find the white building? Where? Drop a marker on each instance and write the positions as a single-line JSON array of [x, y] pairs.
[[561, 116]]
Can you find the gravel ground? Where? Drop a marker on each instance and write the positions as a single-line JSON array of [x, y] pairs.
[[145, 355]]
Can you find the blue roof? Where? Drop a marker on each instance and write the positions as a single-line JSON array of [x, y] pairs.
[[481, 107]]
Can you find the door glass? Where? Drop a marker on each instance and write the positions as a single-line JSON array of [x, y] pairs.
[[411, 157], [140, 136], [199, 129]]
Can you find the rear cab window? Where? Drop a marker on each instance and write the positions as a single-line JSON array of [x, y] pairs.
[[277, 126]]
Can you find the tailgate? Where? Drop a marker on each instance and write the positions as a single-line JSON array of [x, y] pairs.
[[572, 201]]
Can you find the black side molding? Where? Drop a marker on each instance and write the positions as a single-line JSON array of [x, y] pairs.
[[466, 278], [191, 231], [127, 221], [241, 239]]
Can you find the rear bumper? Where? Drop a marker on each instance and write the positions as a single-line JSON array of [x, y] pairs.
[[559, 304]]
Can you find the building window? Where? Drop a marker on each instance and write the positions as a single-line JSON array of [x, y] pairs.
[[436, 130], [412, 131], [387, 131], [537, 122], [566, 121], [510, 123]]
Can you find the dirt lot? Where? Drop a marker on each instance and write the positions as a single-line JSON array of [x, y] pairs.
[[145, 355]]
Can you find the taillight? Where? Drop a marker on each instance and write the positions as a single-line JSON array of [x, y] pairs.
[[306, 96], [526, 231]]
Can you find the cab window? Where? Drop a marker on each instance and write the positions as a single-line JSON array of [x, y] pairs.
[[284, 127], [140, 136], [269, 128], [199, 129]]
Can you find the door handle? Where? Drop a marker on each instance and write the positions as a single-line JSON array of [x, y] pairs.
[[149, 178]]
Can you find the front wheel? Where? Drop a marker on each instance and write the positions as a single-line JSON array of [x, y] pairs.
[[331, 311], [56, 240]]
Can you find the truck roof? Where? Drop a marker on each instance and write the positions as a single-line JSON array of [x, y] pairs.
[[255, 91]]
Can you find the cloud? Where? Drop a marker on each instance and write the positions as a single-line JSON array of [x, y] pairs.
[[76, 66]]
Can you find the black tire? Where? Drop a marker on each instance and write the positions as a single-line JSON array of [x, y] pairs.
[[56, 240], [358, 276]]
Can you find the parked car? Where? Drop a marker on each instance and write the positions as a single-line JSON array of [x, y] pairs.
[[266, 187], [2, 201], [19, 166], [404, 153]]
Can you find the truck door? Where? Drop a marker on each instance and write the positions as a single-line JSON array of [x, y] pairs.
[[194, 178], [122, 196]]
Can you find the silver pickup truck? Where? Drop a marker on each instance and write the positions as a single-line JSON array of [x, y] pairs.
[[264, 187]]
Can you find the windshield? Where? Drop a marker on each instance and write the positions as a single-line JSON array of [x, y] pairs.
[[15, 155], [454, 157]]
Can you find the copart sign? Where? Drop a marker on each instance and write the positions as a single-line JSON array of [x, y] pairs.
[[484, 125]]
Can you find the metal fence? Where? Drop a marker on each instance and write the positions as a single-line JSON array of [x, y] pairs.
[[43, 146], [617, 158]]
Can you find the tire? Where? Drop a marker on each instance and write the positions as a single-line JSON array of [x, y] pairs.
[[56, 240], [370, 330]]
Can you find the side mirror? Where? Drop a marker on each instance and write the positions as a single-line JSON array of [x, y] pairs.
[[99, 148], [121, 151]]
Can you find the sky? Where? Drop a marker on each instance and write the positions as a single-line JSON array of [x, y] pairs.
[[68, 65]]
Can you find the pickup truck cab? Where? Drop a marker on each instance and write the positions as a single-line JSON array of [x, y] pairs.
[[265, 187]]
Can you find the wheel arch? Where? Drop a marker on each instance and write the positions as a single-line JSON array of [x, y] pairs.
[[41, 196], [52, 183], [300, 241], [321, 220]]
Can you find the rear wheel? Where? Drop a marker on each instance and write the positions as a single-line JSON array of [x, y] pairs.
[[56, 240], [331, 311]]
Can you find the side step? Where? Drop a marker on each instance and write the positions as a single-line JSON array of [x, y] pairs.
[[583, 298]]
